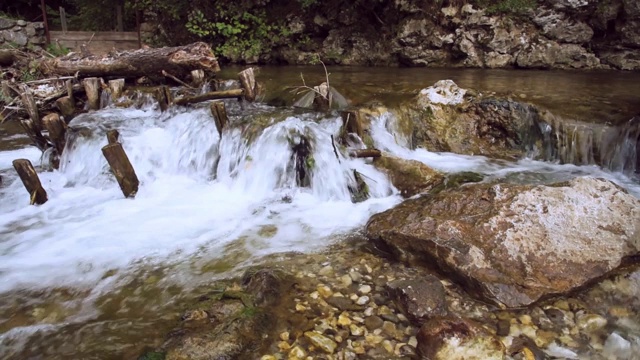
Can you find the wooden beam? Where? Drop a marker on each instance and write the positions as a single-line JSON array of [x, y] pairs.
[[220, 117], [121, 168], [214, 95]]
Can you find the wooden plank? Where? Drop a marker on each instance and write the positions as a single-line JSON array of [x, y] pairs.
[[98, 35], [63, 19]]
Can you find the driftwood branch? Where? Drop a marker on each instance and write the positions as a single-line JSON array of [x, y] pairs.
[[214, 95]]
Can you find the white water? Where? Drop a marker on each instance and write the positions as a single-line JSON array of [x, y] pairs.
[[199, 194]]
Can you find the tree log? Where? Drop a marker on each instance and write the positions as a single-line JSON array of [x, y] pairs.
[[220, 117], [214, 95], [178, 61], [122, 169], [57, 129], [365, 153], [92, 89], [31, 181], [113, 136], [67, 107], [321, 101], [248, 82]]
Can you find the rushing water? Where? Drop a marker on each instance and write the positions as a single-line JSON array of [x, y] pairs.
[[91, 270]]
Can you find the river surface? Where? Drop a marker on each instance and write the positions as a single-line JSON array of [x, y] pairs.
[[90, 274]]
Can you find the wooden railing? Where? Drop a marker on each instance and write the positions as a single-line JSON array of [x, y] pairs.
[[97, 42]]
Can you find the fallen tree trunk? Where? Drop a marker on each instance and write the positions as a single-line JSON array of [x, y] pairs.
[[179, 61], [214, 95], [31, 181]]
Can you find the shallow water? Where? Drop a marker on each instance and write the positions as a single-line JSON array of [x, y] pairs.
[[90, 274]]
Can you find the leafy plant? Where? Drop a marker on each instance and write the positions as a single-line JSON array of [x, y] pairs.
[[57, 49]]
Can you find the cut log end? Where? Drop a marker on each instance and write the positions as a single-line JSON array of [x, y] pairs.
[[122, 169], [248, 82], [92, 89], [57, 129], [113, 136], [220, 117], [31, 182]]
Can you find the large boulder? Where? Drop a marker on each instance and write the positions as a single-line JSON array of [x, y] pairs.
[[515, 244], [447, 118]]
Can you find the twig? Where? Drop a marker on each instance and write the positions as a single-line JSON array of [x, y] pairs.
[[44, 81], [335, 151], [166, 74]]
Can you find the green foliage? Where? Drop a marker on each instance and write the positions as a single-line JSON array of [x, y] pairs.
[[31, 73], [515, 7], [57, 50], [238, 32]]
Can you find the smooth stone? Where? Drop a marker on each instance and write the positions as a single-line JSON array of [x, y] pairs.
[[344, 320], [322, 342], [362, 300], [373, 322], [503, 328], [364, 289], [343, 303]]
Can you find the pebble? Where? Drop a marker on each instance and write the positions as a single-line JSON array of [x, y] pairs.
[[503, 328], [284, 346], [362, 300], [368, 311], [322, 342], [297, 353], [364, 289], [590, 322], [413, 341], [355, 276], [353, 297], [284, 336], [268, 357], [326, 271], [373, 322], [343, 304], [324, 291], [356, 330], [346, 280], [300, 307], [344, 320], [387, 345], [390, 317], [314, 295], [373, 340], [525, 319]]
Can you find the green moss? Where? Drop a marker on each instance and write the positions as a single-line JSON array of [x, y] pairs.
[[152, 355], [310, 162]]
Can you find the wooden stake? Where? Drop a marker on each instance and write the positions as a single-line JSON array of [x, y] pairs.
[[67, 107], [197, 78], [116, 87], [214, 95], [248, 82], [365, 153], [163, 96], [113, 136], [30, 181], [351, 123], [321, 101], [69, 86], [122, 169], [30, 105], [220, 117], [92, 89], [57, 129], [35, 134]]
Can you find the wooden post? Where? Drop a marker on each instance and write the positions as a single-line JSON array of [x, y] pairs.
[[120, 26], [67, 108], [351, 123], [122, 169], [220, 117], [43, 7], [63, 19], [248, 82], [92, 88], [163, 96], [30, 105], [197, 77], [116, 87], [113, 136], [69, 86], [57, 129], [365, 153], [214, 95], [30, 181]]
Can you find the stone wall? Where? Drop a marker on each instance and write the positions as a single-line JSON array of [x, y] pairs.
[[21, 33]]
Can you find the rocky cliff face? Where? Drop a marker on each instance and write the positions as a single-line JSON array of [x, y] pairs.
[[565, 34]]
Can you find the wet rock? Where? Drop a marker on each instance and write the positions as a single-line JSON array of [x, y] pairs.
[[266, 285], [373, 322], [18, 37], [410, 177], [343, 303], [322, 342], [513, 244], [419, 299], [544, 55], [447, 338], [447, 118], [503, 328]]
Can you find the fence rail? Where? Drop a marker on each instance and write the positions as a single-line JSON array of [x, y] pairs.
[[99, 42]]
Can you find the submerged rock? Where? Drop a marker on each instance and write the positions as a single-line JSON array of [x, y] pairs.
[[448, 338], [410, 177], [419, 299], [515, 244]]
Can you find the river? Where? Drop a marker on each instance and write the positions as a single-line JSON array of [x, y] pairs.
[[90, 274]]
